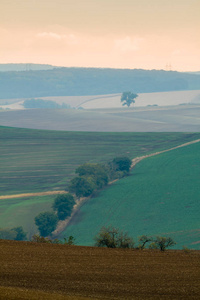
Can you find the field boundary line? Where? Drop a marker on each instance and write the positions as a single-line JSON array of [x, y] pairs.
[[32, 194], [139, 158]]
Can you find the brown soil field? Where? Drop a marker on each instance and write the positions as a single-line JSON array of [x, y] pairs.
[[48, 271]]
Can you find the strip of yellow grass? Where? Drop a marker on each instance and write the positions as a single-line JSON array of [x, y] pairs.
[[32, 194]]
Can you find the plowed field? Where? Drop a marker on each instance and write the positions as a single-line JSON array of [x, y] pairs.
[[40, 269]]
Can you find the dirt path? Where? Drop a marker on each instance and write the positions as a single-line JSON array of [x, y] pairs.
[[32, 194], [139, 158]]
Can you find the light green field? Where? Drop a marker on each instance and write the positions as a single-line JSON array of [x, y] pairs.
[[161, 197], [21, 212]]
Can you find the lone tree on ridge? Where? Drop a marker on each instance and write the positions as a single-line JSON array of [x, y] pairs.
[[128, 98]]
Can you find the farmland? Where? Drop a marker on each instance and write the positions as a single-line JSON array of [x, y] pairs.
[[38, 161], [113, 100], [31, 270], [21, 212], [181, 118], [161, 197]]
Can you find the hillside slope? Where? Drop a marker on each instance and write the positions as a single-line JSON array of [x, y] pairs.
[[181, 118], [37, 161], [92, 81], [114, 100], [31, 271], [161, 197]]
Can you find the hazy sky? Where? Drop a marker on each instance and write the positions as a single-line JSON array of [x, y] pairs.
[[102, 33]]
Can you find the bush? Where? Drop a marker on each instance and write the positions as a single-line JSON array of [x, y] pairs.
[[186, 249], [163, 243], [63, 205], [7, 234], [111, 237], [143, 240], [81, 186], [21, 235], [122, 164], [96, 171], [40, 239], [69, 241], [46, 222], [16, 233]]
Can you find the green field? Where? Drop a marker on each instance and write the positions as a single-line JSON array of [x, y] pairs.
[[161, 197], [37, 161], [21, 212]]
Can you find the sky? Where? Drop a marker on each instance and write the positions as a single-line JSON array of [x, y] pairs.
[[145, 34]]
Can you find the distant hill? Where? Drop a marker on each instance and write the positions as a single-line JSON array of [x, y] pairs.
[[180, 118], [92, 81], [24, 67]]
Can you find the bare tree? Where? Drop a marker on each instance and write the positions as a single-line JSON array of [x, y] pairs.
[[112, 237]]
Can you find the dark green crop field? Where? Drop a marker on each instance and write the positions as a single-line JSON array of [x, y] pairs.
[[38, 161], [160, 197], [41, 160]]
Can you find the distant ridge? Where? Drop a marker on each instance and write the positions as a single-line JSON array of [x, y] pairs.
[[25, 67], [61, 81]]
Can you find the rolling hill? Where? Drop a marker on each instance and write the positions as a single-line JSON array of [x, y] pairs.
[[31, 271], [24, 67], [38, 161], [160, 197], [92, 81], [113, 100], [181, 118]]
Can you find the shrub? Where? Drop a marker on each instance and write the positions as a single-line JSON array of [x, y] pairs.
[[96, 171], [163, 243], [46, 222], [112, 237], [69, 241], [7, 234], [44, 240], [143, 240], [63, 205], [16, 233], [81, 186], [122, 164], [21, 235]]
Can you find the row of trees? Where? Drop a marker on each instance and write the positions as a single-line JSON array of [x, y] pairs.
[[112, 237], [62, 208], [40, 103], [15, 233], [90, 177], [109, 237]]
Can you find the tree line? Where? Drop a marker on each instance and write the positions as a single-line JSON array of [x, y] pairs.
[[89, 179], [112, 237]]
